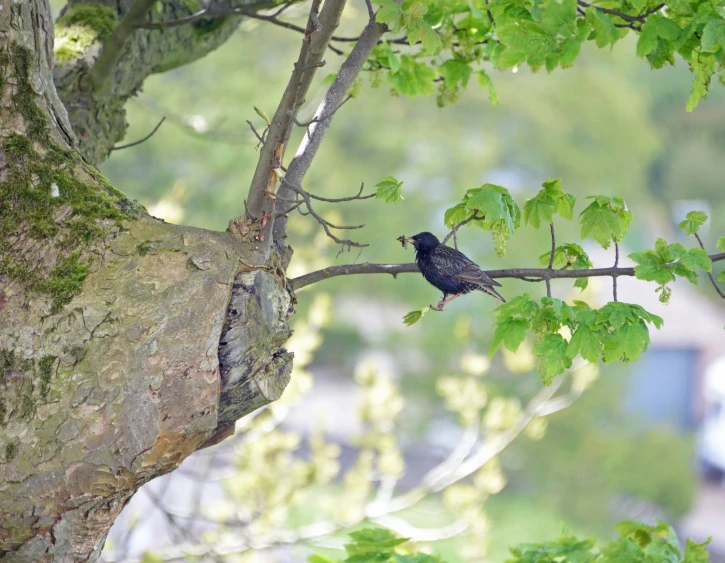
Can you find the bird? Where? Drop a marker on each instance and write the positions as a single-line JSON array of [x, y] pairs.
[[448, 269]]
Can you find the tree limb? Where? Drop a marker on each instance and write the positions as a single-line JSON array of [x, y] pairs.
[[266, 175], [516, 273], [113, 48], [334, 97]]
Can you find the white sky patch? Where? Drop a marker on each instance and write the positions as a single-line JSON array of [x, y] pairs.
[[54, 190]]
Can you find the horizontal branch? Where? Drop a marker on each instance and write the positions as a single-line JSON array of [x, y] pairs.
[[542, 274]]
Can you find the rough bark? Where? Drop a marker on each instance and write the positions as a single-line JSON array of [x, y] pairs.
[[110, 325], [97, 111]]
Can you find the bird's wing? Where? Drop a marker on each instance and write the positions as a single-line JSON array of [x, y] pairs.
[[473, 274], [448, 260], [451, 262]]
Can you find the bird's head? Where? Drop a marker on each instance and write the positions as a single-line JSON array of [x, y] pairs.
[[423, 242]]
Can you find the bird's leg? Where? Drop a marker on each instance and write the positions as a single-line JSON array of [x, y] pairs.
[[443, 301]]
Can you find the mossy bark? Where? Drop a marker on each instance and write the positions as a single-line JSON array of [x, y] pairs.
[[111, 371]]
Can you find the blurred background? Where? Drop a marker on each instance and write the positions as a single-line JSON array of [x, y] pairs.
[[413, 427]]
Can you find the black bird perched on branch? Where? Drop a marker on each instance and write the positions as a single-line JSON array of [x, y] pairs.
[[448, 269]]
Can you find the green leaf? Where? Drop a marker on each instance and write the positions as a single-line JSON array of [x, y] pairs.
[[550, 199], [696, 258], [390, 13], [606, 219], [585, 342], [697, 552], [551, 350], [703, 67], [413, 78], [431, 40], [455, 215], [501, 213], [720, 244], [485, 82], [605, 31], [372, 542], [538, 209], [713, 35], [263, 115], [455, 72], [414, 316], [655, 27], [511, 332], [389, 190], [693, 221]]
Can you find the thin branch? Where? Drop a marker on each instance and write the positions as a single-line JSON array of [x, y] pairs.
[[334, 97], [516, 273], [551, 258], [371, 10], [326, 225], [710, 274], [146, 138], [355, 197], [113, 47], [261, 137], [473, 217], [626, 17], [614, 278]]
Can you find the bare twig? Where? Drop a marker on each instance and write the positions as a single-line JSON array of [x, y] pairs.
[[551, 258], [516, 273], [146, 138], [710, 274], [346, 244], [455, 228], [261, 137]]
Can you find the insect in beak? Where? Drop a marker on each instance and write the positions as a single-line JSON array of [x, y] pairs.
[[405, 240]]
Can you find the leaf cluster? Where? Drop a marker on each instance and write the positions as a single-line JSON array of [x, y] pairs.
[[637, 542], [491, 208], [448, 41], [617, 331], [667, 261]]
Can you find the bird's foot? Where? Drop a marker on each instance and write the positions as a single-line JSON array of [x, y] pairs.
[[438, 307]]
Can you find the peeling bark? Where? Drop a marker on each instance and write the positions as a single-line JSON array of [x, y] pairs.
[[111, 371]]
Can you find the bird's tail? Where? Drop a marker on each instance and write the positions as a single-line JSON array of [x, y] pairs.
[[491, 291]]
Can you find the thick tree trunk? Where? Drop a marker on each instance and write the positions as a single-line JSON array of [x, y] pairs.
[[111, 371]]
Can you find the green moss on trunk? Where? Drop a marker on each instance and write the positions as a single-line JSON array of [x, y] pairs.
[[24, 97], [82, 26], [50, 195]]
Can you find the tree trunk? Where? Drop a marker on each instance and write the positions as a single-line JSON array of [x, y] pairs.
[[111, 370]]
